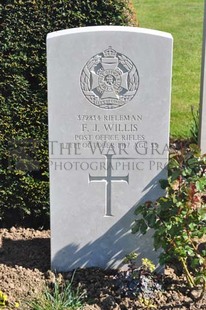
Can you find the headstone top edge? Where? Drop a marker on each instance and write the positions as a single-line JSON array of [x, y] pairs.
[[91, 29]]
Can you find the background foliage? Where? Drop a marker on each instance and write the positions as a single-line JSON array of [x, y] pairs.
[[24, 188]]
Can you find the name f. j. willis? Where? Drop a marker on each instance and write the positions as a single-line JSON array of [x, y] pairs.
[[110, 127]]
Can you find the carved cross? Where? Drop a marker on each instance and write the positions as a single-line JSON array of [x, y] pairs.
[[108, 179]]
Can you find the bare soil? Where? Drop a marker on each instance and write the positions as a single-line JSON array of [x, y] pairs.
[[25, 270]]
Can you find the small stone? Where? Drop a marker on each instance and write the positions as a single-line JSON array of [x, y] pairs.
[[195, 293], [124, 268], [11, 285], [108, 301], [50, 276], [12, 229]]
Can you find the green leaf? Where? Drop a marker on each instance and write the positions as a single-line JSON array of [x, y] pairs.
[[163, 183], [190, 252], [139, 209], [195, 149], [142, 226], [151, 219], [202, 213], [193, 161], [175, 175], [201, 184]]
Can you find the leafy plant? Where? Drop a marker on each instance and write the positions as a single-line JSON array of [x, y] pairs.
[[3, 299], [4, 302], [131, 259], [179, 217], [148, 265], [138, 280], [147, 303], [59, 298]]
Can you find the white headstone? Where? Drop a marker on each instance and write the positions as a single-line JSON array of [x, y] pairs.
[[109, 93], [202, 127]]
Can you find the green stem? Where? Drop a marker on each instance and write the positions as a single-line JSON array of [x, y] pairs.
[[189, 277]]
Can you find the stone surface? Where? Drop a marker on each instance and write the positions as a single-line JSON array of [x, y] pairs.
[[202, 129], [109, 104]]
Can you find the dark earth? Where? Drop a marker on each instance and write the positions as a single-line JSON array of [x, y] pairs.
[[25, 269]]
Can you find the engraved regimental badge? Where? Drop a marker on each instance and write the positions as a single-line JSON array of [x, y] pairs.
[[109, 79]]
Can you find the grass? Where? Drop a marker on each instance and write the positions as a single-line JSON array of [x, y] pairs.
[[184, 20], [60, 298]]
